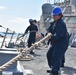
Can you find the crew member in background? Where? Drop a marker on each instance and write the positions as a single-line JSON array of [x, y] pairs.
[[59, 41], [38, 35], [35, 22], [32, 28]]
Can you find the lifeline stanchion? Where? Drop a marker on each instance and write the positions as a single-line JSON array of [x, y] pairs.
[[7, 29], [4, 37], [17, 38], [12, 36]]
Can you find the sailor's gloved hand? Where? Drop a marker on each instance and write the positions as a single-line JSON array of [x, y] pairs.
[[49, 35]]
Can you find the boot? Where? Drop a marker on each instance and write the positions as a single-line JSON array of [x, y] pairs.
[[32, 52]]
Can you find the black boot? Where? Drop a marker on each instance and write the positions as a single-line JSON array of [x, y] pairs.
[[32, 52], [48, 71]]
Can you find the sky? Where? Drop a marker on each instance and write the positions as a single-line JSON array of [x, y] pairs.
[[14, 14]]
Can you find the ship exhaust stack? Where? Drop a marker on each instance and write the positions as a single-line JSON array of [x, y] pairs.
[[46, 15], [46, 10]]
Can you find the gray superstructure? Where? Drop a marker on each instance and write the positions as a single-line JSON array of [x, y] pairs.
[[69, 16], [69, 12], [45, 17]]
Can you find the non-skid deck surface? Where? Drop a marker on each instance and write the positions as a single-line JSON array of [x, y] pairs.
[[38, 65]]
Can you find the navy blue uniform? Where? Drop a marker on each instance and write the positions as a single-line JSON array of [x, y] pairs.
[[59, 44], [32, 36]]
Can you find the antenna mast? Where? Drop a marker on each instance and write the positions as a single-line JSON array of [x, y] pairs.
[[48, 1]]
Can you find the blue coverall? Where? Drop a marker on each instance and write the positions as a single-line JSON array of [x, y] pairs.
[[59, 45], [32, 36]]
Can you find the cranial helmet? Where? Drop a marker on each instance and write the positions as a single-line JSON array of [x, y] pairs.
[[30, 20], [56, 10]]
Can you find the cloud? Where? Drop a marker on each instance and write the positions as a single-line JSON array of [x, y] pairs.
[[18, 20], [2, 7], [17, 24]]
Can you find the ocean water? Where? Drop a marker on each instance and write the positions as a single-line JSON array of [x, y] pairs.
[[8, 37]]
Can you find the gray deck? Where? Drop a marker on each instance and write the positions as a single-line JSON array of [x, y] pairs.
[[39, 63]]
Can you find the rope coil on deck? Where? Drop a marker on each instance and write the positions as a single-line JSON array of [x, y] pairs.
[[4, 66]]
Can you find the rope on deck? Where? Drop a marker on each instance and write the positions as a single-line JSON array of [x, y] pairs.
[[4, 66]]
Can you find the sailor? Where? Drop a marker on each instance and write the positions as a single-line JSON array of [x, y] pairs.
[[35, 22], [59, 41], [32, 28]]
